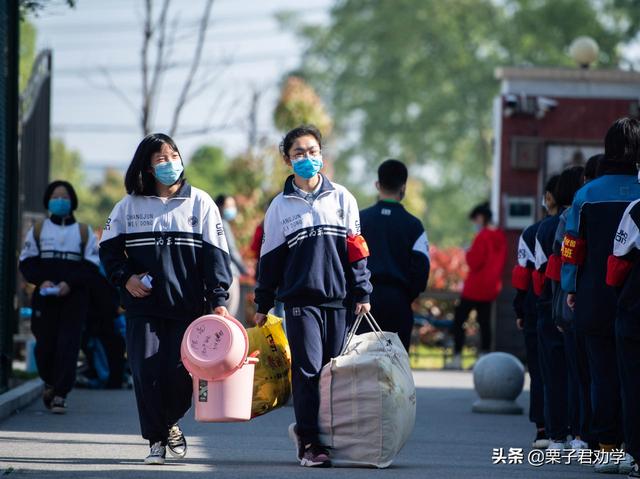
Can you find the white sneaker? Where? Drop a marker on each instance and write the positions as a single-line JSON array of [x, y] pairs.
[[626, 465], [577, 444], [556, 444], [156, 455], [609, 467], [455, 363]]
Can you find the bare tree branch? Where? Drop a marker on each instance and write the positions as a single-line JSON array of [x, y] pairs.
[[111, 85], [182, 99], [160, 32], [144, 65]]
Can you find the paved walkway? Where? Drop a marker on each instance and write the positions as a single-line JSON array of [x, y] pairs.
[[99, 438]]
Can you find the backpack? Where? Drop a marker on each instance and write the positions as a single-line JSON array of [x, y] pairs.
[[84, 235]]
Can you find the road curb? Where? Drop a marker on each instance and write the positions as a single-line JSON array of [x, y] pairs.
[[20, 397]]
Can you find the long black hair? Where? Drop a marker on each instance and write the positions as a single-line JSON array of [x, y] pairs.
[[138, 180], [570, 181], [52, 186]]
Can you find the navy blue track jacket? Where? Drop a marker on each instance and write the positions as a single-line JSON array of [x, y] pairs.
[[524, 303], [595, 215], [179, 241], [399, 247], [304, 260]]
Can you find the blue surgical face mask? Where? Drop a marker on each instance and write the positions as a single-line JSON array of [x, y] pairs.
[[60, 206], [307, 167], [168, 172], [478, 227], [229, 214]]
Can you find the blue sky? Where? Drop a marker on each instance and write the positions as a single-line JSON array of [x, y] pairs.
[[246, 49]]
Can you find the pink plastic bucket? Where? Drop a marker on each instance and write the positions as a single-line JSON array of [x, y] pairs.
[[227, 400], [213, 347]]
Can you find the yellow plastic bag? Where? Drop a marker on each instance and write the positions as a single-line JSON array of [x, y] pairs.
[[272, 378]]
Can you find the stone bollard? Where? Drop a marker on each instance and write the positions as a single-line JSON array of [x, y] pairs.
[[498, 379]]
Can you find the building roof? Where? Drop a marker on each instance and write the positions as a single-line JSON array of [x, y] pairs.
[[570, 82]]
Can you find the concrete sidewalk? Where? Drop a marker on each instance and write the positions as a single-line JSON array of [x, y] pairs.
[[99, 438]]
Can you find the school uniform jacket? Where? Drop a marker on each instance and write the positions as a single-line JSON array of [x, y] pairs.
[[623, 271], [595, 215], [312, 253], [398, 246], [179, 241], [543, 252], [524, 304], [57, 255]]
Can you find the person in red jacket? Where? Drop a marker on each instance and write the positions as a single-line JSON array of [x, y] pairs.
[[486, 259]]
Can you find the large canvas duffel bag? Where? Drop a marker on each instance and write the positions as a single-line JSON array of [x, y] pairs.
[[367, 399]]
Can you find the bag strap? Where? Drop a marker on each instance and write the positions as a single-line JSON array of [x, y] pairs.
[[84, 237], [37, 231], [375, 328]]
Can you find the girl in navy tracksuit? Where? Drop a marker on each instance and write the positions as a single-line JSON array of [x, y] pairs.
[[524, 305], [59, 253], [164, 247], [313, 259], [550, 342]]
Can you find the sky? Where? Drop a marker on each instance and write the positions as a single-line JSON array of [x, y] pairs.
[[99, 42]]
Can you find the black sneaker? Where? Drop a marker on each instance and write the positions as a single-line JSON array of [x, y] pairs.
[[176, 442], [293, 435], [315, 455], [47, 395], [635, 471], [59, 405], [157, 454]]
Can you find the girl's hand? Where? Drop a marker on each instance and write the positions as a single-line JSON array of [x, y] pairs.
[[47, 284], [259, 319], [362, 308], [136, 288], [520, 323], [571, 301], [65, 289], [222, 311]]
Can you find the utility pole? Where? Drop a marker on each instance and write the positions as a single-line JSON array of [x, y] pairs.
[[9, 96]]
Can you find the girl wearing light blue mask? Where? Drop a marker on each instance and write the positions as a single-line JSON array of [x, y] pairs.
[[59, 257], [164, 248], [314, 260]]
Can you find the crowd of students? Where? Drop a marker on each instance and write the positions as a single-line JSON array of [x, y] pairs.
[[577, 304], [168, 249]]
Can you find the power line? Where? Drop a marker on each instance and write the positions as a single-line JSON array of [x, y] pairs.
[[74, 29], [135, 68]]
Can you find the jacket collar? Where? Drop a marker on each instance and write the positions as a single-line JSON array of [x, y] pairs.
[[613, 167], [59, 220], [183, 193], [289, 190]]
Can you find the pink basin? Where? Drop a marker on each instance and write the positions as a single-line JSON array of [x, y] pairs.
[[213, 347]]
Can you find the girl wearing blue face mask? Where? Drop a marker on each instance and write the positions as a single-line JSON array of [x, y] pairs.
[[227, 206], [164, 248], [314, 260], [58, 256]]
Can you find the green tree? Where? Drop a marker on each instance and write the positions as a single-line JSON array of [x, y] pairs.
[[97, 201], [414, 79], [207, 169], [27, 52], [66, 164]]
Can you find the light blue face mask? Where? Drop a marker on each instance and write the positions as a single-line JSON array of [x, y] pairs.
[[229, 214], [168, 172], [307, 167], [59, 206]]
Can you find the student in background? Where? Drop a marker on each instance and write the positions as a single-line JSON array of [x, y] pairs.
[[595, 216], [524, 305], [399, 252], [228, 209], [486, 259], [59, 256]]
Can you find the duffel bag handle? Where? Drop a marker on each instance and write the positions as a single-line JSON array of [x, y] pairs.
[[375, 327]]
